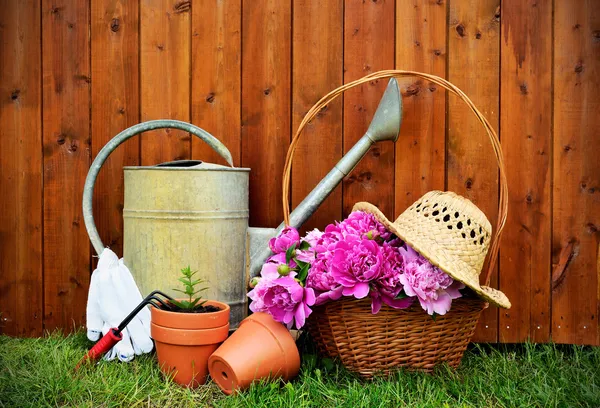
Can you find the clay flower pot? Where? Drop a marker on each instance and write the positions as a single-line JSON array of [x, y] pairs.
[[184, 341], [259, 348]]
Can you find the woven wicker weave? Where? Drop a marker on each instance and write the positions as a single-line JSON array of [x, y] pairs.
[[370, 344]]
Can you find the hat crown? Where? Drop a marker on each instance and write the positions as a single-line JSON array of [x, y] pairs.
[[458, 227]]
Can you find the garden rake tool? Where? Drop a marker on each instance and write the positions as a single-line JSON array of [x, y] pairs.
[[114, 335]]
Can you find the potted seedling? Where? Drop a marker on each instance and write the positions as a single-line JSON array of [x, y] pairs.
[[189, 332]]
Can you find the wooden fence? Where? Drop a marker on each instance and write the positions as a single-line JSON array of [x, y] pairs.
[[75, 73]]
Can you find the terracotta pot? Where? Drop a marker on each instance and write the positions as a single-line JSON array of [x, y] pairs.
[[259, 348], [185, 341]]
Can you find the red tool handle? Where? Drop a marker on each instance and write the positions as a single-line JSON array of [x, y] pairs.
[[104, 344]]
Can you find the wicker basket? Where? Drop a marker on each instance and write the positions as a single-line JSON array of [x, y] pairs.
[[369, 344]]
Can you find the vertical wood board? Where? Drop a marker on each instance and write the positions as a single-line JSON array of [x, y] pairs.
[[21, 232], [66, 150], [316, 70], [576, 192], [115, 107], [473, 66], [421, 33], [216, 65], [368, 47], [266, 104], [165, 77], [526, 80]]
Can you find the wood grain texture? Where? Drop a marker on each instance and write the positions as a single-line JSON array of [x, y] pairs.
[[20, 169], [66, 149], [421, 33], [216, 65], [576, 192], [165, 77], [473, 65], [317, 69], [266, 103], [526, 78], [368, 47], [115, 107]]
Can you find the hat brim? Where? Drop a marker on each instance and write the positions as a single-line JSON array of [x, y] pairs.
[[439, 257]]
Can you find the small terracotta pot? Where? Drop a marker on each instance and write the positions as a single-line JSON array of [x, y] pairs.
[[184, 341], [259, 348]]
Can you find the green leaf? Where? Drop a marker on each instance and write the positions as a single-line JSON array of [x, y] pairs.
[[402, 295], [303, 273], [190, 289], [289, 253], [300, 263], [434, 316], [177, 304], [304, 246]]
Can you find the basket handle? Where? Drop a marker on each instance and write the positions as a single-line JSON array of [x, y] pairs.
[[310, 115]]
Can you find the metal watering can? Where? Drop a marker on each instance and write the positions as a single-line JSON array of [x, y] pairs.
[[194, 213]]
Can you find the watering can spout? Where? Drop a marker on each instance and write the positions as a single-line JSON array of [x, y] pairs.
[[385, 125]]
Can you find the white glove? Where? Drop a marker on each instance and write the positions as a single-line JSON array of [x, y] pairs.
[[112, 296]]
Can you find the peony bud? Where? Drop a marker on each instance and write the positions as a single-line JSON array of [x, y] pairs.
[[284, 270], [254, 281]]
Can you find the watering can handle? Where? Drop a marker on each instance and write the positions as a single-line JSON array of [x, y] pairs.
[[90, 181]]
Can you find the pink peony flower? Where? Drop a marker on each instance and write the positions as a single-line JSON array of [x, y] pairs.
[[282, 297], [388, 285], [313, 237], [354, 264], [325, 287], [364, 225], [286, 238], [307, 255], [433, 287]]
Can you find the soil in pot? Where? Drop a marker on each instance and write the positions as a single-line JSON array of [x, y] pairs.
[[185, 341]]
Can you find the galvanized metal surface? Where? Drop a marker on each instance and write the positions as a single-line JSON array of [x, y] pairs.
[[90, 181], [385, 125], [196, 216]]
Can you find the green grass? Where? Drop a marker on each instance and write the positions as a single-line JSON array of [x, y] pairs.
[[39, 372]]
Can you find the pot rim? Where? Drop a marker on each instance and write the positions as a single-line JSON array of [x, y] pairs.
[[189, 337], [192, 321]]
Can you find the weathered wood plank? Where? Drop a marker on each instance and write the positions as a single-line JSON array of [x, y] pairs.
[[115, 106], [474, 66], [576, 191], [216, 76], [368, 47], [20, 169], [526, 67], [317, 69], [266, 103], [421, 33], [165, 77], [66, 147]]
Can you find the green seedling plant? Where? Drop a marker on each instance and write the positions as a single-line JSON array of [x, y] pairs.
[[190, 284]]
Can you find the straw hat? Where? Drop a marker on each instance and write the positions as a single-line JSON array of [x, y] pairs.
[[451, 232]]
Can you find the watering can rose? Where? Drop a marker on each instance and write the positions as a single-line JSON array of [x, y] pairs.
[[357, 257]]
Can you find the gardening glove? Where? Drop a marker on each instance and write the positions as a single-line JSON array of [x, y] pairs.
[[112, 296]]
